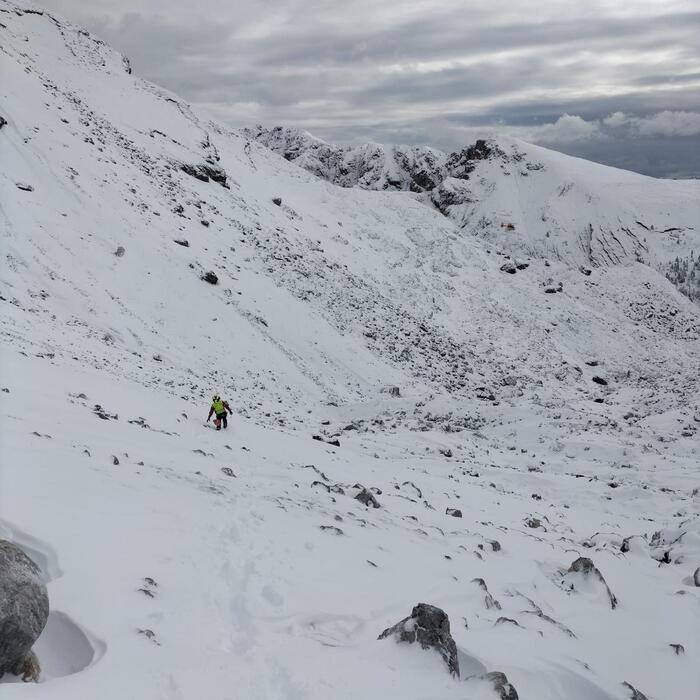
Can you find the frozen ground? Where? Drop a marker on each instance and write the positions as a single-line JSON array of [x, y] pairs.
[[561, 423], [170, 578]]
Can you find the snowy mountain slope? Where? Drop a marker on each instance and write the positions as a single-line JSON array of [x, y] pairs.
[[323, 299], [169, 578], [526, 199], [420, 305]]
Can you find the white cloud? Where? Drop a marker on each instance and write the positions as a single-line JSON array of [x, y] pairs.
[[666, 123], [617, 119], [669, 123], [426, 72], [569, 128]]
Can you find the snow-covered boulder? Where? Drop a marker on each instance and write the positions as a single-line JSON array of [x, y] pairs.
[[365, 496], [24, 607], [676, 545], [584, 576], [501, 685], [430, 627]]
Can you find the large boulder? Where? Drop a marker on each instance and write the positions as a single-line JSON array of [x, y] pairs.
[[430, 627], [24, 606]]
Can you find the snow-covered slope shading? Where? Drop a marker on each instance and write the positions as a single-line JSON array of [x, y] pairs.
[[526, 199], [537, 419]]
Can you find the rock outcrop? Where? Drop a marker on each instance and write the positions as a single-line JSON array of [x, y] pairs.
[[430, 627], [206, 172]]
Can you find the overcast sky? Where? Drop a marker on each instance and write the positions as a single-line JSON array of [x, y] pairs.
[[616, 81]]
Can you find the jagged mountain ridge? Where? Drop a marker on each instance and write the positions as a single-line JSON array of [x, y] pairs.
[[526, 199]]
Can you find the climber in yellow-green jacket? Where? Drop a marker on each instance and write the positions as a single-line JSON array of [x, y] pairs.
[[220, 409]]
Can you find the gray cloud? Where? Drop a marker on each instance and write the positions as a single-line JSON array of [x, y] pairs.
[[424, 72]]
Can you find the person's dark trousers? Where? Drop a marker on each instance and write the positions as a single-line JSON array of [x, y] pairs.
[[223, 420]]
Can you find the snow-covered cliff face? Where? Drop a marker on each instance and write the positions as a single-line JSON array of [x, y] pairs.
[[152, 258], [525, 199], [370, 166]]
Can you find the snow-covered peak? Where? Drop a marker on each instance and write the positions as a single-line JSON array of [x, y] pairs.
[[370, 166], [525, 199]]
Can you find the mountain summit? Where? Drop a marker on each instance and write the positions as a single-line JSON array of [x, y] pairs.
[[526, 199]]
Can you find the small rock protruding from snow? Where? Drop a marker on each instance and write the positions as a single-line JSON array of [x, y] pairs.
[[119, 252], [678, 648], [501, 685], [28, 669], [334, 443], [183, 242], [210, 277], [149, 634], [599, 380], [277, 201], [696, 576], [101, 413], [634, 544], [509, 267], [634, 693], [392, 391], [24, 609], [485, 394], [430, 627], [24, 187], [454, 512], [586, 568], [365, 496], [332, 528], [489, 601]]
